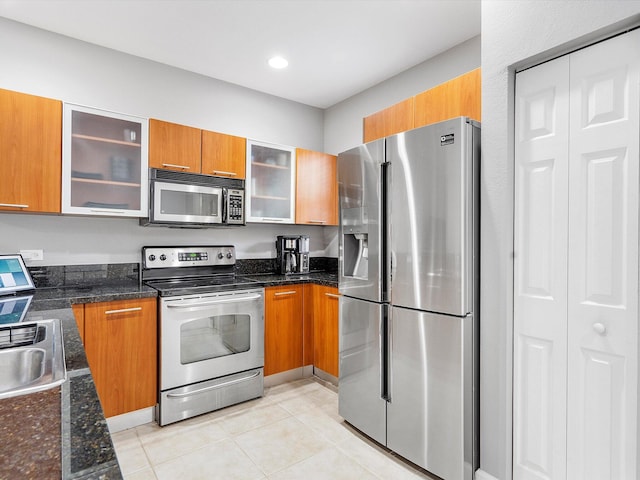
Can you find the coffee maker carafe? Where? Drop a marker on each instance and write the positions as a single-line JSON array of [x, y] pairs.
[[292, 254]]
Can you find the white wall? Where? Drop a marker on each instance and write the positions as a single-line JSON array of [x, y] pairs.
[[42, 63], [343, 121], [515, 33]]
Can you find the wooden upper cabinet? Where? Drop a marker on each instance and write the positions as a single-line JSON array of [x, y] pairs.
[[394, 119], [316, 188], [224, 155], [460, 96], [174, 147], [30, 153]]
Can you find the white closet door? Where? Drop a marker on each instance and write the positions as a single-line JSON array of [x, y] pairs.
[[603, 261], [540, 303]]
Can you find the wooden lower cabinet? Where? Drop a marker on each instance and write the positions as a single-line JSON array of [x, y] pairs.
[[78, 312], [120, 340], [325, 328], [301, 328], [283, 327]]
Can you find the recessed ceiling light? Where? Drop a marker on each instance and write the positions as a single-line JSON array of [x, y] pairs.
[[278, 62]]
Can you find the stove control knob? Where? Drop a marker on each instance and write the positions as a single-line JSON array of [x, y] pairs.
[[220, 255], [152, 258], [163, 257], [229, 255]]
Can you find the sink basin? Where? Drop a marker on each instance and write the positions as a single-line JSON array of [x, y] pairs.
[[31, 357]]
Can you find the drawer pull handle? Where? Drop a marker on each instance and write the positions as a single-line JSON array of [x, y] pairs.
[[213, 387], [123, 310], [318, 221], [332, 295], [289, 292], [221, 172], [173, 165], [273, 219], [14, 205]]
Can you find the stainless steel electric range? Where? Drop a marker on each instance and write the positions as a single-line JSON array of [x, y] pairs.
[[211, 325]]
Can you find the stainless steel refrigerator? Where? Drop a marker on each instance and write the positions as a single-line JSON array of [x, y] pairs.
[[409, 270]]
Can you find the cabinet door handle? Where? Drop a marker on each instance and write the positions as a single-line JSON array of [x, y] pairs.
[[106, 210], [288, 292], [317, 221], [331, 295], [14, 205], [184, 167], [273, 219], [220, 172], [123, 310]]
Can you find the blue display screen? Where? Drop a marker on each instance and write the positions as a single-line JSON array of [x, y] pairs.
[[13, 309], [14, 275]]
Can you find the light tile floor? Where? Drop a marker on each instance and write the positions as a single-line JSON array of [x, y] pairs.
[[293, 432]]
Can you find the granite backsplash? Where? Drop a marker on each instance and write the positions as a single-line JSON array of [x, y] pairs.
[[114, 273]]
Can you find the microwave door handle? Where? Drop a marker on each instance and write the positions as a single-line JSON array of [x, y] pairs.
[[224, 206]]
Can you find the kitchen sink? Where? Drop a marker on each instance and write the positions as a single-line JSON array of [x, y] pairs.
[[31, 357]]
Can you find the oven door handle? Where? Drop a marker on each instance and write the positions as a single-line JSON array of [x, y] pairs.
[[213, 387], [211, 302]]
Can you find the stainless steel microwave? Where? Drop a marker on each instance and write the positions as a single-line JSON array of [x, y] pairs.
[[180, 199]]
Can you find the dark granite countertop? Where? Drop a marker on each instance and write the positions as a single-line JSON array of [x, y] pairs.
[[328, 279], [62, 432], [50, 298]]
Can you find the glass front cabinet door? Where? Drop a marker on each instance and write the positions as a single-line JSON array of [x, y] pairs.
[[105, 163], [270, 183]]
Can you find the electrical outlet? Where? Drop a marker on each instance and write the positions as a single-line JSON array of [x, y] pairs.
[[32, 254]]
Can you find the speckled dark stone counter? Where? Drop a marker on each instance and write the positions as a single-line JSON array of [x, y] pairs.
[[328, 279], [83, 439], [62, 432]]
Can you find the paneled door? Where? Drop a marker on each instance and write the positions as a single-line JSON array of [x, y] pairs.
[[603, 261], [576, 265], [540, 290]]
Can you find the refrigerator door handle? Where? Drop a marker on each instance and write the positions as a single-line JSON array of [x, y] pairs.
[[385, 357]]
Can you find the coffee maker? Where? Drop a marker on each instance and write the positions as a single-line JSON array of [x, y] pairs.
[[292, 254]]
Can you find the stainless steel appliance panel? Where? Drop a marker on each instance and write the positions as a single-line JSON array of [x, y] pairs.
[[208, 336], [431, 403], [203, 397], [360, 401], [431, 217], [361, 269], [174, 202]]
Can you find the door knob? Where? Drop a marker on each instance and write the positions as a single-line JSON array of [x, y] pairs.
[[600, 328]]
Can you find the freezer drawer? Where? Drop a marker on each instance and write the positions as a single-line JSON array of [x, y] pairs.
[[360, 399], [430, 416]]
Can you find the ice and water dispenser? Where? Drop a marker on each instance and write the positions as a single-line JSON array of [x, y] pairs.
[[355, 243]]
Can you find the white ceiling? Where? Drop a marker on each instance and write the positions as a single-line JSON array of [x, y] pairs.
[[335, 48]]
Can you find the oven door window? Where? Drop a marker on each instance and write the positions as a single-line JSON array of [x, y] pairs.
[[214, 337]]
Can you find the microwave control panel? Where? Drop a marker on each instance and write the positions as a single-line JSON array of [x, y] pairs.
[[235, 207]]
